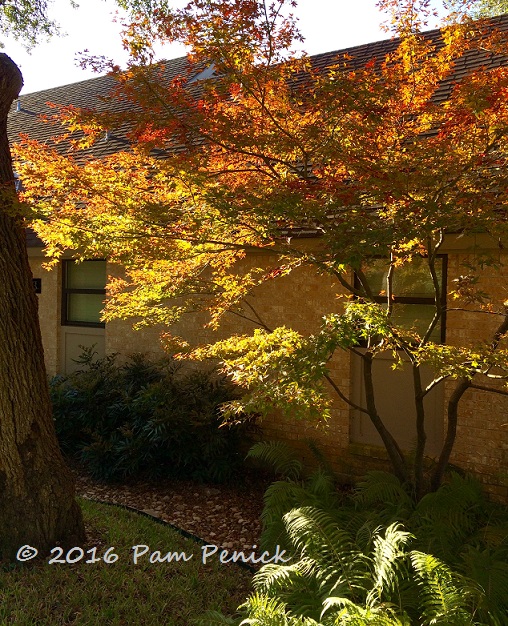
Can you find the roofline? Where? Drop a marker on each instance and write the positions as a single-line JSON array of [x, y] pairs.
[[341, 51], [88, 80], [431, 32]]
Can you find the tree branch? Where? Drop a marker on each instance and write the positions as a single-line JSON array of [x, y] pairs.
[[343, 397], [502, 392]]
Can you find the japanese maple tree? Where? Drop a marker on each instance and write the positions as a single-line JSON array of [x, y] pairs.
[[251, 144]]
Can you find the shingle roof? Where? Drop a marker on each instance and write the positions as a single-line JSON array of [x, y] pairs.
[[32, 240], [25, 117], [359, 56]]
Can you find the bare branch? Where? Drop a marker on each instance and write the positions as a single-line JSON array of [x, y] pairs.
[[343, 397], [502, 392]]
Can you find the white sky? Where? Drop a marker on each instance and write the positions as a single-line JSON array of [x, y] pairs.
[[326, 24]]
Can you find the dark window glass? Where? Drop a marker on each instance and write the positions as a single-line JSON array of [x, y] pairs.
[[84, 292], [413, 293]]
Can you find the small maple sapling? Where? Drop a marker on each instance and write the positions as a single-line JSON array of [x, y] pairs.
[[377, 159]]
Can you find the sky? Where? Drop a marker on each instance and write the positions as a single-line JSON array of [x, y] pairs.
[[326, 25]]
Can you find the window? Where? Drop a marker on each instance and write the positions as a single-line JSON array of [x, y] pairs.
[[84, 292], [413, 307], [413, 293]]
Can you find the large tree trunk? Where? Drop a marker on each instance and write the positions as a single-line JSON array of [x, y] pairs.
[[37, 505]]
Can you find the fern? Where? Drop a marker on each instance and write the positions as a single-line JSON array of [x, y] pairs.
[[352, 614], [386, 558], [265, 611], [447, 599], [321, 484], [448, 517], [489, 569], [279, 456], [322, 460], [282, 496], [385, 490], [314, 533], [351, 563]]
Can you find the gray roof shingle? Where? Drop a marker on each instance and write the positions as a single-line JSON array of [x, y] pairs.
[[25, 117]]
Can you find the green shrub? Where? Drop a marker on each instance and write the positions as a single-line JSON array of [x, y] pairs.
[[375, 556], [154, 419]]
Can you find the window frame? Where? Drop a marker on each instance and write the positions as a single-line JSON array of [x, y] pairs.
[[67, 291], [419, 300]]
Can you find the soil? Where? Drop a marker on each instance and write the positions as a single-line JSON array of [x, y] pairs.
[[222, 515]]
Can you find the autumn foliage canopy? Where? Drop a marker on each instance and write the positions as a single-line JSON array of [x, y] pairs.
[[253, 144]]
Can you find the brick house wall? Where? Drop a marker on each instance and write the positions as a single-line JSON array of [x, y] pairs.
[[299, 301], [49, 312]]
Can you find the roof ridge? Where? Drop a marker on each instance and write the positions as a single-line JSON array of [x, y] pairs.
[[89, 80], [341, 51], [392, 40]]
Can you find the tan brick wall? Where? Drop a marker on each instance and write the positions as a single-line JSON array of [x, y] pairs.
[[482, 432], [299, 301], [123, 340], [49, 310]]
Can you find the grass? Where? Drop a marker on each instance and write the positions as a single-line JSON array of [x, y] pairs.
[[121, 593]]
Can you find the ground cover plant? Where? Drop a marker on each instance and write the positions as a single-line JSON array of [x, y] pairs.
[[145, 417], [97, 594], [377, 556]]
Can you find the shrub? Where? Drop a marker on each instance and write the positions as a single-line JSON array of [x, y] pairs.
[[141, 417]]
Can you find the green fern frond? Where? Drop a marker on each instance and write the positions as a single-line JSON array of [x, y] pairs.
[[447, 517], [352, 614], [462, 494], [387, 555], [262, 610], [273, 578], [322, 485], [381, 488], [279, 456], [447, 599], [316, 537], [281, 497], [489, 569], [495, 534], [365, 528], [321, 458], [296, 585], [314, 532]]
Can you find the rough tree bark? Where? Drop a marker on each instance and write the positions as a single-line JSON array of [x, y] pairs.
[[37, 505]]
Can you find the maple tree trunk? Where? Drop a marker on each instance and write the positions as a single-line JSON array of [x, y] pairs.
[[421, 436], [37, 505], [462, 386]]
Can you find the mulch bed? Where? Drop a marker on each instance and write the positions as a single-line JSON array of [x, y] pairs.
[[223, 515]]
